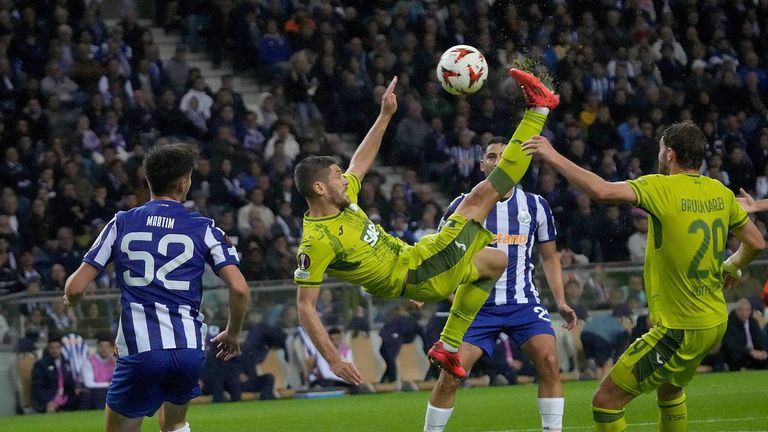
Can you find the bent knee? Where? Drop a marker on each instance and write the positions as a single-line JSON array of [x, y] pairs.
[[549, 366]]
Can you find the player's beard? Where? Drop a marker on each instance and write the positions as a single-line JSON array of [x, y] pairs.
[[663, 167], [341, 200]]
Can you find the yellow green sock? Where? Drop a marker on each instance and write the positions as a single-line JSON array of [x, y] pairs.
[[608, 420], [468, 300], [673, 415], [514, 163]]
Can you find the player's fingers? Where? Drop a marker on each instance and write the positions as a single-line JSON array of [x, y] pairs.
[[391, 87]]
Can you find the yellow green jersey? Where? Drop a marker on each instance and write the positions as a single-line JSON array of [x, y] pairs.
[[351, 247], [690, 217]]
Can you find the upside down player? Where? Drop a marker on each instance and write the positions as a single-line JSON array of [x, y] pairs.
[[340, 239], [691, 217], [160, 250], [514, 307]]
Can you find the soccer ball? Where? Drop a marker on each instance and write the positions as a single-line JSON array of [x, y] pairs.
[[462, 70]]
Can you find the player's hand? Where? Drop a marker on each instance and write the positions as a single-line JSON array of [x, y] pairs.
[[540, 146], [65, 299], [746, 201], [228, 345], [731, 276], [416, 304], [568, 314], [347, 371], [389, 100]]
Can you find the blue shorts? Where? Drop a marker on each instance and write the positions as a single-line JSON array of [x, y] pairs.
[[142, 382], [519, 322]]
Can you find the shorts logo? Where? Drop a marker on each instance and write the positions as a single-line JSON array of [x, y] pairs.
[[524, 217], [304, 261]]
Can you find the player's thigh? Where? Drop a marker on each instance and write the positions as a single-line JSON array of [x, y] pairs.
[[542, 351], [663, 356], [478, 202], [116, 422], [143, 382], [442, 261], [182, 384], [481, 336], [134, 391], [490, 262]]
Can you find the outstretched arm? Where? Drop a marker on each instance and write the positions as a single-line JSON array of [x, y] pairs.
[[553, 271], [307, 304], [366, 153], [587, 181], [749, 204]]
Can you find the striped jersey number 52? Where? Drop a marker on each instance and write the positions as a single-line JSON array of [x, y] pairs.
[[149, 261]]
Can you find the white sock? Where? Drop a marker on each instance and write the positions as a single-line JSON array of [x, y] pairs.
[[450, 348], [541, 110], [436, 418], [184, 428], [551, 410]]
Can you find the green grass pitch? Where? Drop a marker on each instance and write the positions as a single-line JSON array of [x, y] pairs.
[[716, 402]]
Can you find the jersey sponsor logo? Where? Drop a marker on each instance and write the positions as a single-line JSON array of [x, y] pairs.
[[524, 217], [304, 261], [370, 234], [511, 239]]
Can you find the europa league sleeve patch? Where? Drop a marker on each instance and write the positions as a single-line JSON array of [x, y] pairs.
[[304, 261]]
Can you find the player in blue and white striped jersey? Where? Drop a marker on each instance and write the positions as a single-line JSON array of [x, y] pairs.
[[159, 252], [514, 307]]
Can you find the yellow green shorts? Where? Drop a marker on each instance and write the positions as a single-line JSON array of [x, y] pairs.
[[440, 262], [664, 356]]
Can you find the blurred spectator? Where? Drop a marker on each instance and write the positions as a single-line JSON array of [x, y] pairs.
[[52, 386], [255, 209], [282, 133], [613, 235], [401, 328], [401, 230], [177, 69], [605, 337], [97, 373], [744, 344], [218, 375], [637, 241], [320, 374]]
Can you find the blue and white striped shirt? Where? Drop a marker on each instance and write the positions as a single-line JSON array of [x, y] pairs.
[[160, 250], [516, 222]]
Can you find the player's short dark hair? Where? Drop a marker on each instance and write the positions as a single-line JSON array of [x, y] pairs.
[[334, 330], [165, 164], [496, 140], [688, 142], [310, 170]]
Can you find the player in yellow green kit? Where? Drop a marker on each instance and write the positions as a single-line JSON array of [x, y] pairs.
[[340, 240], [690, 219]]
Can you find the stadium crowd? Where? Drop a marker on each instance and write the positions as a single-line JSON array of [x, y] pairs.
[[80, 102]]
